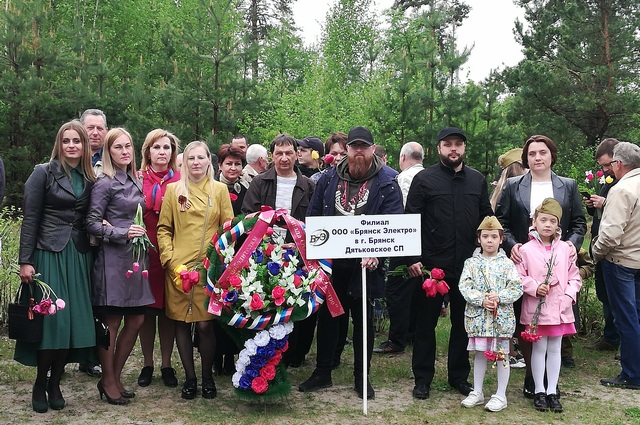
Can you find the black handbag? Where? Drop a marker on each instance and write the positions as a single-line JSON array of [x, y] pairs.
[[102, 333], [24, 324]]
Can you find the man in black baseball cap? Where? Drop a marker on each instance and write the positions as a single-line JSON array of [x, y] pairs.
[[448, 238], [360, 134], [450, 132]]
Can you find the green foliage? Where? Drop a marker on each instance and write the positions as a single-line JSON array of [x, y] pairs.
[[210, 69], [577, 66]]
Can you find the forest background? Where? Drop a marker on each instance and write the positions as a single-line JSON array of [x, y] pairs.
[[209, 69]]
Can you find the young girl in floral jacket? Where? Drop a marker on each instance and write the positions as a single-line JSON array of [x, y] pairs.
[[490, 284], [551, 283]]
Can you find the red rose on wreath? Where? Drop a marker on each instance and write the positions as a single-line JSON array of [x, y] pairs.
[[235, 281], [259, 385], [256, 302], [268, 372]]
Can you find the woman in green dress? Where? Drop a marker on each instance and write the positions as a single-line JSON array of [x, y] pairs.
[[54, 244]]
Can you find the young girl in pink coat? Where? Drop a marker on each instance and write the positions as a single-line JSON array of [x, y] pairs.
[[558, 287]]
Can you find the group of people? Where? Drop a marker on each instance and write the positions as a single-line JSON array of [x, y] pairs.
[[80, 229]]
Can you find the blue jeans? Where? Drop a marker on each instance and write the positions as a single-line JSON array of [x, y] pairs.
[[623, 290]]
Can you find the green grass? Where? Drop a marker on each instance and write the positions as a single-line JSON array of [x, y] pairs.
[[585, 401]]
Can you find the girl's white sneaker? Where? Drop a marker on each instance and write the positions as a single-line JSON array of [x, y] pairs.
[[473, 399], [496, 403]]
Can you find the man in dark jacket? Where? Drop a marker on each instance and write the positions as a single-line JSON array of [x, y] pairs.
[[359, 184], [452, 199], [281, 186], [284, 187], [610, 339]]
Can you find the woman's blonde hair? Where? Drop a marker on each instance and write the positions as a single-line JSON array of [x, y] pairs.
[[512, 170], [107, 164], [151, 138], [182, 185], [85, 161]]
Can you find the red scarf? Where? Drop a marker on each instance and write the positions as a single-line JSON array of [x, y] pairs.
[[157, 182]]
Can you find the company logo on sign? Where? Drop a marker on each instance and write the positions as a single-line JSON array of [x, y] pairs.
[[319, 237]]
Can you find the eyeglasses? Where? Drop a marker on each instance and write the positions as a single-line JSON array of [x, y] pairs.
[[612, 162]]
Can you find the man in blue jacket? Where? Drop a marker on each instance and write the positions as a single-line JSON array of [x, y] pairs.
[[359, 184]]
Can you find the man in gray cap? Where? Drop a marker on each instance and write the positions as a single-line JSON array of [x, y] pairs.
[[452, 199]]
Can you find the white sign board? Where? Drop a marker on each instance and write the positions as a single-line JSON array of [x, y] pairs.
[[358, 236]]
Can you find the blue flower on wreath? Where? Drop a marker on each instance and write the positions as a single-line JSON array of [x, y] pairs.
[[289, 254], [258, 256], [258, 362], [253, 370], [231, 297], [266, 352], [279, 344], [301, 273], [274, 268], [245, 382]]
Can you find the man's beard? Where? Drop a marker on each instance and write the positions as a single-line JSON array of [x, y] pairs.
[[358, 166], [449, 163]]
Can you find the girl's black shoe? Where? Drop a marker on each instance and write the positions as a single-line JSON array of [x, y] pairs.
[[209, 388], [190, 389], [553, 401], [540, 402]]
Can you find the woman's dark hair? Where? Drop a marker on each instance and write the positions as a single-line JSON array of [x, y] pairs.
[[227, 151], [339, 138], [539, 138]]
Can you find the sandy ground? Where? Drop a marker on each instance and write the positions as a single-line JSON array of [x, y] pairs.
[[156, 404]]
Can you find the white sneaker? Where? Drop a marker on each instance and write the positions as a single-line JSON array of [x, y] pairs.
[[496, 403], [517, 363], [473, 399]]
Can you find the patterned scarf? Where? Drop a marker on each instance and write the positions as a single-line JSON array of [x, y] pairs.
[[159, 180]]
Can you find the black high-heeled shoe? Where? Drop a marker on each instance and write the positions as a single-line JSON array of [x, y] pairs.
[[117, 401], [209, 388], [127, 394], [190, 389], [55, 403], [39, 406]]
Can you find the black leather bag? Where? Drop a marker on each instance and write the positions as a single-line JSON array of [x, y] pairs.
[[24, 324]]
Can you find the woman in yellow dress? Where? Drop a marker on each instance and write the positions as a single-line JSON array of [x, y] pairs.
[[192, 210]]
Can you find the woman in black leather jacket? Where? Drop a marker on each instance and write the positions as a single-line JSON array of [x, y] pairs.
[[54, 244]]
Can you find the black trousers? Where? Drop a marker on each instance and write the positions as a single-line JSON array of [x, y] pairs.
[[300, 340], [402, 298], [327, 334], [424, 341]]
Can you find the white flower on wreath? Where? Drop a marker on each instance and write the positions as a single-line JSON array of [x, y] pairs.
[[251, 346], [235, 379], [262, 338]]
